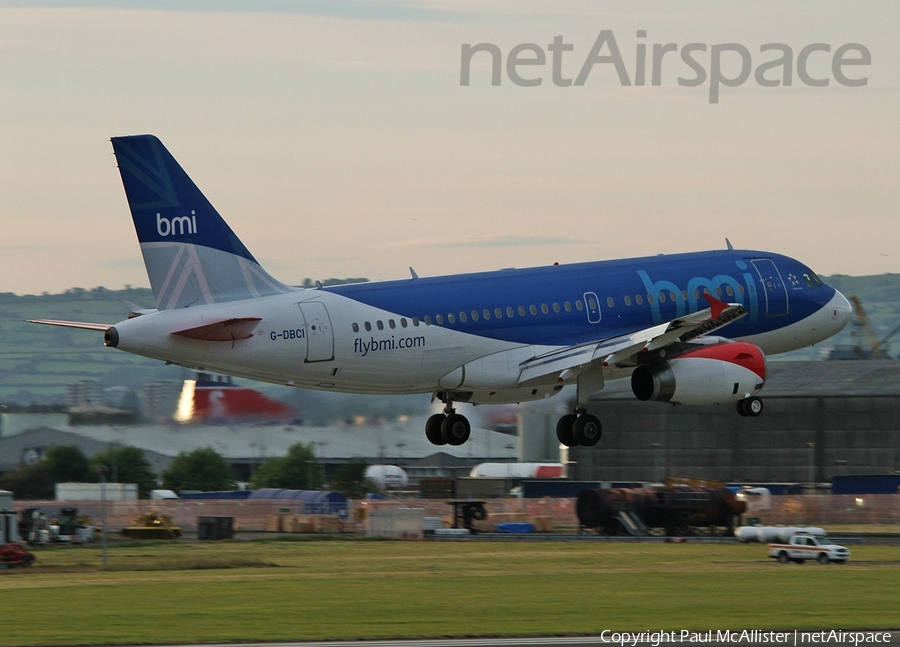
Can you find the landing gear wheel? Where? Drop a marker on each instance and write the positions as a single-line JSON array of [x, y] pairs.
[[433, 429], [455, 429], [564, 430], [754, 406], [587, 430], [751, 406]]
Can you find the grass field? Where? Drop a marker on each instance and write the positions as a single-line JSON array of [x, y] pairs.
[[283, 590]]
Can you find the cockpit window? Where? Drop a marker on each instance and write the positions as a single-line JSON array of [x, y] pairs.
[[812, 279]]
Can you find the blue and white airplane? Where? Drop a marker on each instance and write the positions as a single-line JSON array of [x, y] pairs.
[[484, 338]]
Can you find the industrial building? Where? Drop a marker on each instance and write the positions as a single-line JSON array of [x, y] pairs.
[[821, 419]]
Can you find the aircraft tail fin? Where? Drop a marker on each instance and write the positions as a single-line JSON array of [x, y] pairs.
[[191, 254]]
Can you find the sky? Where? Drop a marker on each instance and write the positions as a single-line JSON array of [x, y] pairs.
[[336, 138]]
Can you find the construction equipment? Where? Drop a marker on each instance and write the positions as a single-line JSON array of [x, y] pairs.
[[867, 344], [679, 510], [152, 526]]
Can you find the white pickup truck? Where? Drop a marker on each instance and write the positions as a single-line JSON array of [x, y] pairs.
[[803, 547]]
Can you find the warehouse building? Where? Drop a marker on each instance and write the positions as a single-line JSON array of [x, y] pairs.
[[821, 419]]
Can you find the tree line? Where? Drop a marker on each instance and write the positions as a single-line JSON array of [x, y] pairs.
[[201, 469]]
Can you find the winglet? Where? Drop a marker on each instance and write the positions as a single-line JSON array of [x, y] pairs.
[[413, 273], [729, 245], [716, 306]]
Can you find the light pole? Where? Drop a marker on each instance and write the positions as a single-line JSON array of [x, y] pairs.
[[656, 447], [103, 556], [812, 467]]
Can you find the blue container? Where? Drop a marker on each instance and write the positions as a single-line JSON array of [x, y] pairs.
[[516, 527]]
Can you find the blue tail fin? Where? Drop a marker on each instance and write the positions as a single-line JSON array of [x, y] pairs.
[[191, 254]]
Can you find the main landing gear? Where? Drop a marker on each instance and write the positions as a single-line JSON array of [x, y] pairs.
[[579, 428], [448, 428], [751, 406]]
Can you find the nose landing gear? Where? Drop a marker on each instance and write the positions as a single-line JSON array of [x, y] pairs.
[[752, 406]]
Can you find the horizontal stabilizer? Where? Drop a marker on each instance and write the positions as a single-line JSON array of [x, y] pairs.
[[136, 310], [226, 330], [71, 324]]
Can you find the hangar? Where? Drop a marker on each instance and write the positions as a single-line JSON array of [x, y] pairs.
[[822, 419]]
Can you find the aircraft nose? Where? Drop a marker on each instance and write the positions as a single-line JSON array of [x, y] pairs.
[[841, 309]]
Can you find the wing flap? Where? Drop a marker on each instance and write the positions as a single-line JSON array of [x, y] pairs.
[[225, 330]]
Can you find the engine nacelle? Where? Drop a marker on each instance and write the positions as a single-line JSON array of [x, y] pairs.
[[706, 375]]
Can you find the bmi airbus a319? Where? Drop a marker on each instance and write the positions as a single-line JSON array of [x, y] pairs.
[[685, 328]]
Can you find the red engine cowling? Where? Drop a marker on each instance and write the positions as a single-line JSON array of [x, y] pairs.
[[708, 375]]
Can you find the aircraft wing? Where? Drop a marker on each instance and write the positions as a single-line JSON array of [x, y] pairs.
[[570, 361]]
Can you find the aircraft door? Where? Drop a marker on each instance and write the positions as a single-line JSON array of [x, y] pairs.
[[593, 307], [773, 287], [319, 335]]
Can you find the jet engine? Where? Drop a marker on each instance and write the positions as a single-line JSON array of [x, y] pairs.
[[706, 375]]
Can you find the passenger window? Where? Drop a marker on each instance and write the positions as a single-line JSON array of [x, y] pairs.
[[579, 306], [368, 326], [610, 302], [521, 311], [592, 304], [356, 327], [415, 321], [403, 323], [486, 314], [379, 324], [740, 289], [555, 307], [719, 292], [439, 319], [427, 320], [545, 309], [474, 315], [639, 299], [567, 306], [462, 317], [451, 318], [532, 309], [627, 300], [729, 290], [649, 298], [662, 297], [510, 312], [392, 324], [673, 297], [684, 295], [696, 294], [498, 313]]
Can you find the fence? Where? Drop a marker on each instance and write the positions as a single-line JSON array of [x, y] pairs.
[[253, 515]]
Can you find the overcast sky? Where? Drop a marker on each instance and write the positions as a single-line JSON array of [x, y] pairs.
[[336, 139]]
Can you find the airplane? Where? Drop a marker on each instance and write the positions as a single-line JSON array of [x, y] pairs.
[[498, 337]]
